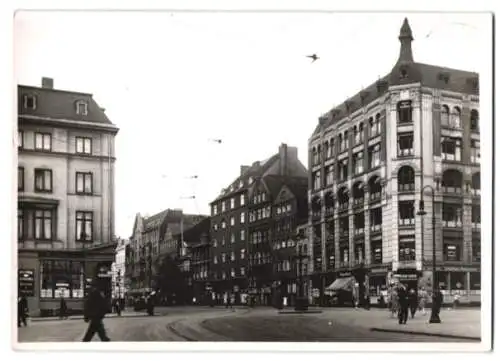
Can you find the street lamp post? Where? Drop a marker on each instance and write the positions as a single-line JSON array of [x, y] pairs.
[[421, 212]]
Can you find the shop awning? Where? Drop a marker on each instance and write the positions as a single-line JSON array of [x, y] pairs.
[[344, 283]]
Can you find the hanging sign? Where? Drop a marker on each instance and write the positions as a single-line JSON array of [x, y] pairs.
[[26, 282]]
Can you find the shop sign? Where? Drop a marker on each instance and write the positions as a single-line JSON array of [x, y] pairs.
[[379, 270], [236, 288], [406, 276], [62, 284], [460, 269], [26, 282]]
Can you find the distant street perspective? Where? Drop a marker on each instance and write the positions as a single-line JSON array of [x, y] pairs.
[[263, 324]]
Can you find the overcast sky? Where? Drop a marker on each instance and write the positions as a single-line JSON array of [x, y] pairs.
[[172, 81]]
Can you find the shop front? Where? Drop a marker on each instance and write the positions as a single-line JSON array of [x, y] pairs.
[[460, 280], [408, 277], [378, 285], [47, 276]]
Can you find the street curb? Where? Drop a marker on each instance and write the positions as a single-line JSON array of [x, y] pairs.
[[422, 333], [299, 312]]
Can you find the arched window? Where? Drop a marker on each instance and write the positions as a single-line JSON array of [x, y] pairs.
[[406, 179], [317, 180], [455, 121], [343, 198], [445, 115], [314, 156], [327, 150], [404, 111], [319, 153], [474, 120]]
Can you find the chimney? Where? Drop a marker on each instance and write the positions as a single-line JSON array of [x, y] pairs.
[[243, 169], [47, 83], [287, 155]]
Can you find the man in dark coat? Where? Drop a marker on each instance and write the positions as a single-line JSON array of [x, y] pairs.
[[403, 305], [95, 309], [63, 309], [413, 302], [22, 311]]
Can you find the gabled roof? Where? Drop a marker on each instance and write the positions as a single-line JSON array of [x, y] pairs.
[[256, 170], [297, 185], [60, 104]]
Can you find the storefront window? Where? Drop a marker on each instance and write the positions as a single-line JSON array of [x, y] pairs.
[[442, 279], [475, 281], [457, 281], [61, 278]]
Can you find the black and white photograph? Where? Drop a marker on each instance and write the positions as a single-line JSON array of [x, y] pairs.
[[306, 179]]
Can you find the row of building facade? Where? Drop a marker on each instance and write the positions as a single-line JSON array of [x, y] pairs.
[[410, 138]]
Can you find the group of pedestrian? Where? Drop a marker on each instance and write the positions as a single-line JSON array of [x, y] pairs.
[[405, 303]]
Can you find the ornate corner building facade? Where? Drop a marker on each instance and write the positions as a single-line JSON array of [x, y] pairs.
[[415, 129]]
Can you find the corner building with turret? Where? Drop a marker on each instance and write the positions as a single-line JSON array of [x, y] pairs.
[[415, 129]]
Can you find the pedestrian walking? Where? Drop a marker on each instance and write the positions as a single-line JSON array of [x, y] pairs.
[[228, 301], [413, 302], [95, 309], [403, 305], [393, 302], [150, 305], [437, 302], [456, 300], [118, 307], [63, 309], [22, 311]]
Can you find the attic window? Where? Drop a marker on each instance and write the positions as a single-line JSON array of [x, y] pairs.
[[444, 77], [81, 108], [29, 102], [403, 73]]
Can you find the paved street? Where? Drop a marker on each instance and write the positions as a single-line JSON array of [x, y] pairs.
[[261, 324]]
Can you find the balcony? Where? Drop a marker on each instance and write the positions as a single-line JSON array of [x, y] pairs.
[[408, 187], [375, 196], [329, 211], [358, 202], [343, 206], [407, 152], [359, 231], [451, 157], [452, 224], [376, 228], [406, 222]]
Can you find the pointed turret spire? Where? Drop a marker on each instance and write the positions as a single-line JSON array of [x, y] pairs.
[[405, 37]]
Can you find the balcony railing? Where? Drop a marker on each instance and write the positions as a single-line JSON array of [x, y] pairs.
[[344, 233], [375, 196], [452, 224], [475, 192], [452, 189], [452, 157], [358, 231], [329, 211], [343, 206], [408, 187], [344, 264], [376, 227], [405, 152], [476, 225], [406, 222], [358, 201]]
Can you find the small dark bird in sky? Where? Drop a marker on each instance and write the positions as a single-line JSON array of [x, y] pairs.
[[216, 140], [314, 57]]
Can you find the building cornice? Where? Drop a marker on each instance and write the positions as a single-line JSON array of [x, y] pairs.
[[68, 123]]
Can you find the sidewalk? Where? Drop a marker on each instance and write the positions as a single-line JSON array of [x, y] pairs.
[[461, 324]]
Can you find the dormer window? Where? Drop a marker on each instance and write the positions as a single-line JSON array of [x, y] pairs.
[[29, 102], [403, 73], [444, 77], [81, 108]]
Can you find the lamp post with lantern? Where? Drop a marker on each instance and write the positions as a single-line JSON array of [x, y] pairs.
[[434, 318]]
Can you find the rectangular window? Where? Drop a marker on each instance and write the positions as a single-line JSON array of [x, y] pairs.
[[376, 219], [358, 163], [344, 255], [404, 111], [242, 199], [20, 139], [233, 238], [242, 271], [377, 252], [83, 145], [451, 149], [476, 250], [233, 273], [406, 213], [29, 102], [359, 253], [317, 180], [43, 224], [232, 256], [20, 179], [476, 216], [329, 175], [359, 223], [223, 256], [343, 169], [83, 183], [20, 224], [223, 206], [43, 180], [242, 217], [451, 251], [43, 141], [84, 226], [374, 155], [214, 210], [452, 215], [374, 127], [405, 144], [406, 248], [242, 234], [61, 278], [232, 203], [215, 260], [232, 221], [475, 151]]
